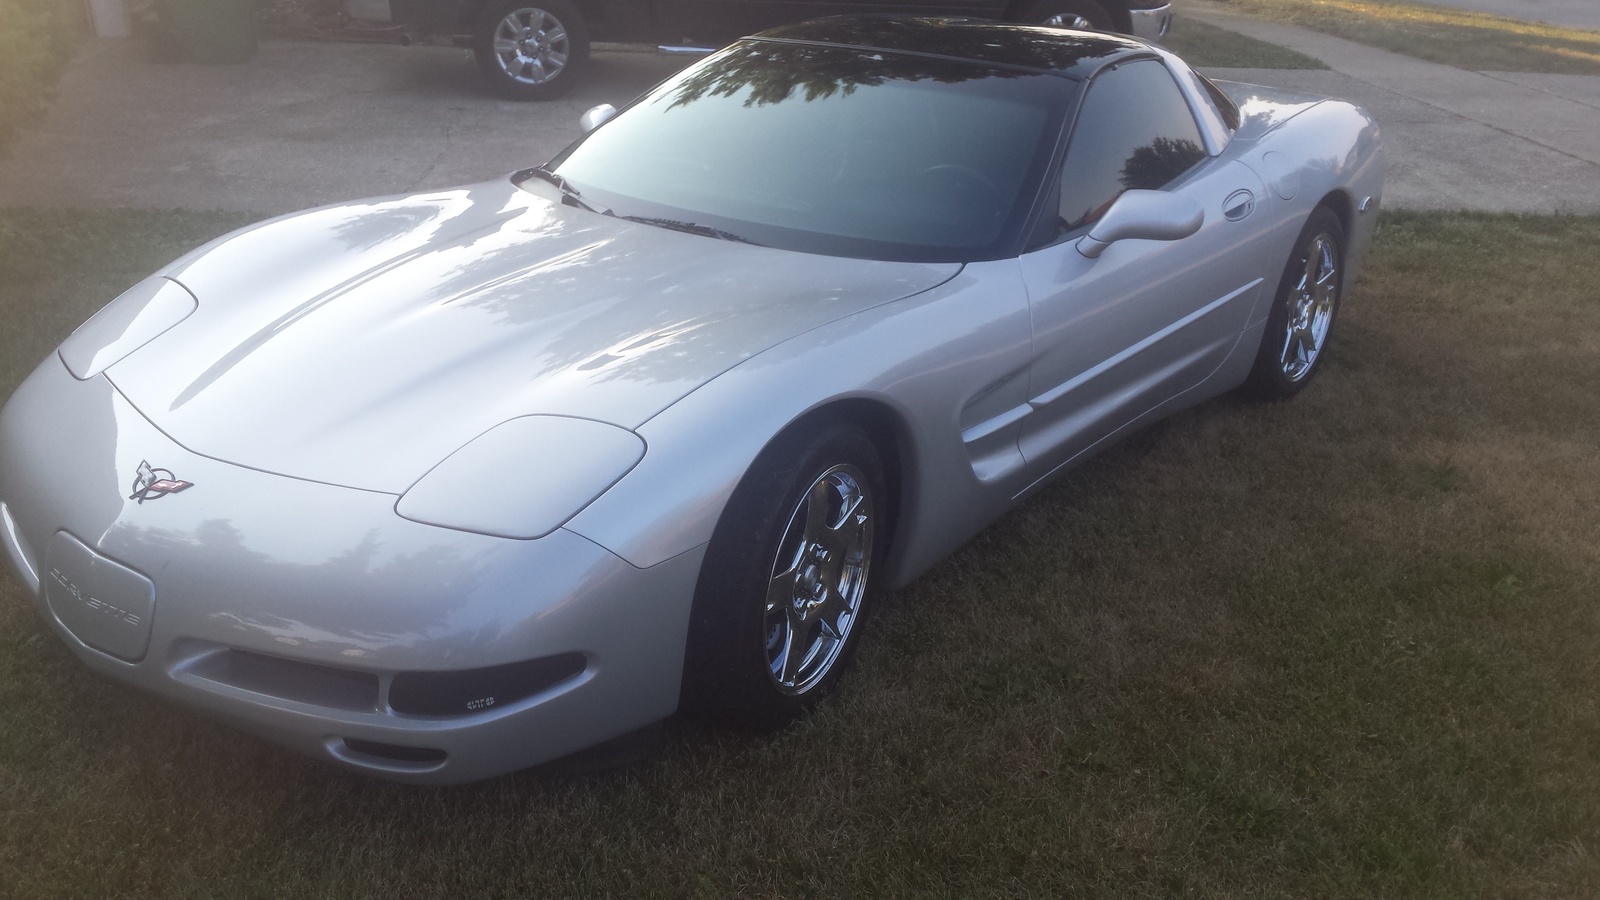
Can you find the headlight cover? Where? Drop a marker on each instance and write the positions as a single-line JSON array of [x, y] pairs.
[[523, 478], [138, 316]]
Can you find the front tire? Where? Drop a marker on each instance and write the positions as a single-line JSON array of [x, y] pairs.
[[787, 578], [1303, 311], [531, 49]]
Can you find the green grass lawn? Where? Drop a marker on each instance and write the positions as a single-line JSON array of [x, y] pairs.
[[1454, 37], [1346, 645]]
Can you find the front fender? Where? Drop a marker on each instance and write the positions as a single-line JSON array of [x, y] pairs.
[[939, 361], [1333, 149]]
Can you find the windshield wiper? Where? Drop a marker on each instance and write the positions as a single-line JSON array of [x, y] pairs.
[[570, 193], [690, 228], [567, 190]]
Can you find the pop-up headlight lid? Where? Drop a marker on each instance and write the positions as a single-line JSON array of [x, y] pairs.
[[523, 478], [127, 323]]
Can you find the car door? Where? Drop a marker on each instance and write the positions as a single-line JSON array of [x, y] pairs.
[[1117, 336]]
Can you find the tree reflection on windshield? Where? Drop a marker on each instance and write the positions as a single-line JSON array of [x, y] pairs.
[[774, 69], [771, 72], [891, 155]]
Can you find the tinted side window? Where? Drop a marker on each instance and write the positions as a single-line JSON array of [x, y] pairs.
[[1134, 132]]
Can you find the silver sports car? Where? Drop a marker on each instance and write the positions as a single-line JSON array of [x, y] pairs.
[[442, 486]]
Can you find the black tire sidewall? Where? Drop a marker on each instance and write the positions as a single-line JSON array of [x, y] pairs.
[[725, 668], [1267, 380], [504, 85]]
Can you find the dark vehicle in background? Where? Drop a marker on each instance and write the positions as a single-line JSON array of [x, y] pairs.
[[537, 49]]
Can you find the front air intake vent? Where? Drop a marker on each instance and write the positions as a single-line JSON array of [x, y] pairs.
[[475, 690], [287, 679]]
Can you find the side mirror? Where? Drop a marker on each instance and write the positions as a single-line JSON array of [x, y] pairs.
[[1147, 215], [596, 117]]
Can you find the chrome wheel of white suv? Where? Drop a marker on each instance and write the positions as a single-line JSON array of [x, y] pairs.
[[531, 49], [1085, 15]]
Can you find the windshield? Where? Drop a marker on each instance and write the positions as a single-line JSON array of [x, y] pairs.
[[831, 150]]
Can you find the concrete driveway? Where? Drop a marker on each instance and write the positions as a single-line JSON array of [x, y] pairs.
[[308, 123]]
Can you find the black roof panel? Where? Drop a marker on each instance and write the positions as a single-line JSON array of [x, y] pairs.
[[997, 43]]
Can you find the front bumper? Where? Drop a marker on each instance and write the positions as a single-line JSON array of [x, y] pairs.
[[290, 608], [1150, 24]]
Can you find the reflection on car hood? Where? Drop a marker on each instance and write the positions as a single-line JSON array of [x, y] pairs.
[[361, 344]]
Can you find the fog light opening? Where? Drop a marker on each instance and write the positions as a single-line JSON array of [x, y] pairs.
[[469, 691]]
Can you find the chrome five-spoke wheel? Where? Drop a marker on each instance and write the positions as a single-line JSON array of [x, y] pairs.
[[787, 578], [1295, 342], [818, 580], [1310, 309]]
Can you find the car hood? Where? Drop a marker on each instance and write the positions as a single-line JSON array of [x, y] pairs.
[[359, 345]]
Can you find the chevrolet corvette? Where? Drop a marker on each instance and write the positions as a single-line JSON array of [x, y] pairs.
[[441, 486]]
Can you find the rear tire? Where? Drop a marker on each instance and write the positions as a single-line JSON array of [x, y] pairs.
[[531, 49], [1295, 342], [787, 578]]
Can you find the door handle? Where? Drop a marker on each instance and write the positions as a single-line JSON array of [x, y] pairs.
[[1239, 204]]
